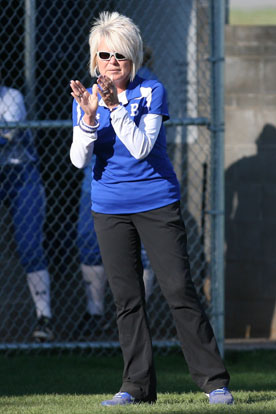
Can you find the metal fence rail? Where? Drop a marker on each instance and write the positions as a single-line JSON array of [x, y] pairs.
[[46, 45]]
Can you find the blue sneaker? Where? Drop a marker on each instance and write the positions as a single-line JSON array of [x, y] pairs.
[[121, 398], [221, 396]]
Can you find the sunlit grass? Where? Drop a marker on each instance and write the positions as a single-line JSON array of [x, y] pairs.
[[252, 17], [254, 402], [77, 384]]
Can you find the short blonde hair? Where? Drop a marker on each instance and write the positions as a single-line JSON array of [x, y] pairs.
[[121, 35]]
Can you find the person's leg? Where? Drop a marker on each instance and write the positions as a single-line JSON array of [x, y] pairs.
[[28, 212], [163, 234], [148, 278], [121, 253], [92, 322], [91, 262], [95, 281], [39, 285], [148, 275]]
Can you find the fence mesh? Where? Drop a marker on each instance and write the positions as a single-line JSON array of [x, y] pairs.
[[42, 220]]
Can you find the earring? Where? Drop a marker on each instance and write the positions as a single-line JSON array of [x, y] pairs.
[[97, 72]]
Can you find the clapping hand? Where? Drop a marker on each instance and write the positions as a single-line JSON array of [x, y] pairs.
[[87, 101], [108, 91]]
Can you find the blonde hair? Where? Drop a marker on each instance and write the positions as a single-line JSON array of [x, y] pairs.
[[121, 35]]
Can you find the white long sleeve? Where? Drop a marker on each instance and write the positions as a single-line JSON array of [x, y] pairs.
[[82, 147], [138, 140]]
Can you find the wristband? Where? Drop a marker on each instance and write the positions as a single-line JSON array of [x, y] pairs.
[[88, 128]]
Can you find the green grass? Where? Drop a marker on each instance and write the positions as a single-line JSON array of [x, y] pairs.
[[253, 17], [77, 385]]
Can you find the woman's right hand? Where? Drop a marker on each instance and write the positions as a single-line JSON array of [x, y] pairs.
[[88, 102]]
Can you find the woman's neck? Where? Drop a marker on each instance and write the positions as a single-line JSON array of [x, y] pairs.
[[121, 88]]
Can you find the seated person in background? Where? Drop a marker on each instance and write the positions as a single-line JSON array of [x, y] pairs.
[[22, 192]]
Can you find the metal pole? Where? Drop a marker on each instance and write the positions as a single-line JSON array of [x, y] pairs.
[[227, 12], [217, 129], [30, 10]]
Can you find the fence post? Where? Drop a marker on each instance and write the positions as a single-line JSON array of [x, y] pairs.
[[217, 20], [30, 46]]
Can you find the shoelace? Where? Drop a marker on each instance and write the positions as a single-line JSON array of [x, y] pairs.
[[217, 391], [122, 394]]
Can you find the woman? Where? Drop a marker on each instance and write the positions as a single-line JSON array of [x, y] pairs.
[[135, 198]]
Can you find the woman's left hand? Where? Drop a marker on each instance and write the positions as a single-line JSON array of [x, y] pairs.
[[108, 91]]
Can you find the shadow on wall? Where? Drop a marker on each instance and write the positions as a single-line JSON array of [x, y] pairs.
[[250, 267]]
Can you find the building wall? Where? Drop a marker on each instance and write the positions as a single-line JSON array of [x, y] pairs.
[[250, 181]]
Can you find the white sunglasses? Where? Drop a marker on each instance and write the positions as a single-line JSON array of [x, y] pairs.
[[108, 55]]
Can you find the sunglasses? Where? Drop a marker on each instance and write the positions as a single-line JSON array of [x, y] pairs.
[[108, 55]]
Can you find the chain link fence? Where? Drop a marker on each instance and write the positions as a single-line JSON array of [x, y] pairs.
[[46, 231]]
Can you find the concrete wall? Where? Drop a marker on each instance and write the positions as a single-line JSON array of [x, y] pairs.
[[250, 179]]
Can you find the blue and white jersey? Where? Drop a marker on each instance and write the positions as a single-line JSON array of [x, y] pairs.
[[121, 182]]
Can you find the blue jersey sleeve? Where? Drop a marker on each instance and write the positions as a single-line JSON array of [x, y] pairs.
[[158, 99]]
